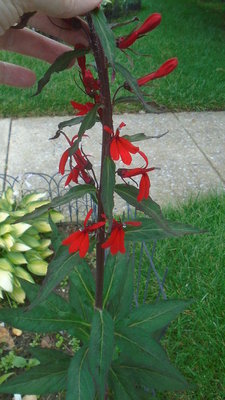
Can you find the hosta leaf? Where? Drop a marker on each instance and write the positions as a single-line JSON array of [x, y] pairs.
[[105, 34], [61, 63], [153, 317], [43, 379], [80, 382], [101, 349], [134, 86], [72, 194], [108, 185], [88, 121], [82, 290]]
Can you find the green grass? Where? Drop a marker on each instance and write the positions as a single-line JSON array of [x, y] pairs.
[[193, 31], [195, 342]]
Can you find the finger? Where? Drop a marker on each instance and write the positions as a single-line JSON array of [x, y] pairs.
[[32, 44], [65, 9], [58, 28], [16, 76]]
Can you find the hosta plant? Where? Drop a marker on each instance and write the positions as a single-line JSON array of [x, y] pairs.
[[120, 357], [24, 246]]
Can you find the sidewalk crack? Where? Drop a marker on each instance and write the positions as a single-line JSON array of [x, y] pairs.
[[7, 156]]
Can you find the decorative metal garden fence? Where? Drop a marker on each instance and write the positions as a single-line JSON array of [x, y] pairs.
[[148, 281]]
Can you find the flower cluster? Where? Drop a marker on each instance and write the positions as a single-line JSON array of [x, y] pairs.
[[79, 240]]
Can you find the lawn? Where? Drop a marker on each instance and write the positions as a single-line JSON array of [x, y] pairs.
[[195, 342], [193, 31]]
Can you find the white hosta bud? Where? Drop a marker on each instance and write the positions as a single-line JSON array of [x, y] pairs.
[[6, 281], [20, 246], [8, 241], [23, 274], [20, 228], [42, 226], [38, 267], [5, 228], [5, 265], [16, 258], [3, 216], [18, 295]]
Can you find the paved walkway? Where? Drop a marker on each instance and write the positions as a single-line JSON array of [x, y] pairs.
[[191, 157]]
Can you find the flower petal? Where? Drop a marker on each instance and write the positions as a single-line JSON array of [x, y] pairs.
[[84, 245], [63, 162], [114, 151]]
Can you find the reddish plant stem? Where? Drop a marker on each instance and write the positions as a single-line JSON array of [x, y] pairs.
[[102, 67]]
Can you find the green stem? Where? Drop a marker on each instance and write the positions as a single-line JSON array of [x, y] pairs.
[[102, 67]]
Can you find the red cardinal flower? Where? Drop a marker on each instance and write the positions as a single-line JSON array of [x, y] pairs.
[[116, 239], [79, 240], [144, 186], [121, 147], [148, 25], [82, 109], [125, 42], [164, 70]]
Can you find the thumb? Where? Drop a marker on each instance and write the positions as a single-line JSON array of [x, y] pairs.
[[64, 8]]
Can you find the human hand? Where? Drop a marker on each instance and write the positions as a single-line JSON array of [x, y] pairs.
[[28, 42]]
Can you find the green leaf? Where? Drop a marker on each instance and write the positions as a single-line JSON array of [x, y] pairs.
[[61, 63], [80, 382], [44, 355], [43, 379], [108, 185], [118, 285], [72, 194], [4, 377], [154, 317], [129, 193], [105, 34], [136, 137], [133, 85], [82, 291], [88, 121], [56, 237], [125, 389], [126, 99], [101, 349], [70, 122], [151, 230], [53, 314]]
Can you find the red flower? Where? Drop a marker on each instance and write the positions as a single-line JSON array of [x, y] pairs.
[[121, 147], [125, 42], [83, 109], [116, 239], [164, 70], [90, 83], [79, 240], [144, 186], [148, 25]]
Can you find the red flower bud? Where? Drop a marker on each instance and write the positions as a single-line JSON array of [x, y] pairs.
[[149, 24], [124, 43], [164, 70]]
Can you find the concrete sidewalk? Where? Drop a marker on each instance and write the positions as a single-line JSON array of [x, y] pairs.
[[191, 156]]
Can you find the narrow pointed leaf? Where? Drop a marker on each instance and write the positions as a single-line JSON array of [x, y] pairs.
[[134, 86], [108, 185], [101, 349], [82, 291], [72, 194], [43, 379], [44, 355], [151, 230], [61, 63], [153, 317], [105, 34], [56, 237], [137, 137], [80, 382], [88, 121], [70, 122]]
